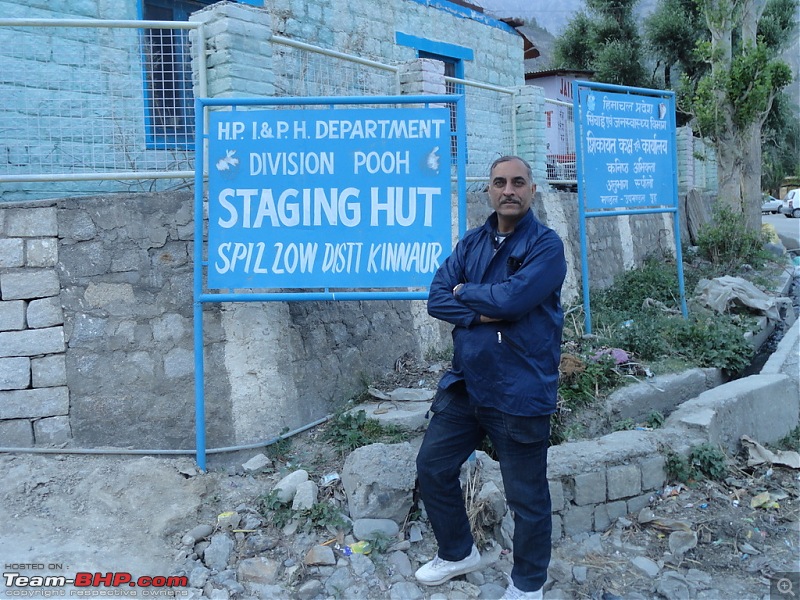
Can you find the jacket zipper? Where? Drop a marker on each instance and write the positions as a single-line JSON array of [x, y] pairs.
[[510, 342]]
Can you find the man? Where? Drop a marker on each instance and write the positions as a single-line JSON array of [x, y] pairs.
[[501, 289]]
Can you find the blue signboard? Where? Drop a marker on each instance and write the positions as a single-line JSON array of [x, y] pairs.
[[627, 149], [626, 162], [328, 198]]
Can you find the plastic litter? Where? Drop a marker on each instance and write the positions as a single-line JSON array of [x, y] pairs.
[[329, 479], [362, 547]]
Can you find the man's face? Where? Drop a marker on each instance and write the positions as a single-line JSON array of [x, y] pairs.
[[510, 191]]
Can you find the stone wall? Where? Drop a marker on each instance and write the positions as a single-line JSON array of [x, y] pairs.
[[34, 397], [615, 244], [96, 335], [96, 326]]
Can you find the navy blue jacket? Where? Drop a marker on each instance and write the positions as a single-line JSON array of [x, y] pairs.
[[512, 364]]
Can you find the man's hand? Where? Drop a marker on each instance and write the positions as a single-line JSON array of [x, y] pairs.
[[483, 318]]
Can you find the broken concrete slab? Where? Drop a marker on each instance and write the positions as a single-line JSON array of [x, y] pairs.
[[408, 415], [764, 407], [662, 393]]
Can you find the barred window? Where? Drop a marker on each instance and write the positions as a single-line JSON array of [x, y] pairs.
[[167, 59]]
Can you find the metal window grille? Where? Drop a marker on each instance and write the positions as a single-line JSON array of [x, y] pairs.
[[305, 70], [560, 140], [94, 105], [169, 95]]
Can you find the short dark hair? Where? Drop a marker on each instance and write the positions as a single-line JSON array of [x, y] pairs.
[[509, 157]]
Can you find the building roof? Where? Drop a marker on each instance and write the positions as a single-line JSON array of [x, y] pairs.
[[557, 72]]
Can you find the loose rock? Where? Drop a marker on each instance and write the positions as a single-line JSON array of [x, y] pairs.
[[257, 463], [197, 534], [286, 488], [370, 529], [218, 553], [405, 590], [305, 496], [258, 570], [680, 542], [320, 555]]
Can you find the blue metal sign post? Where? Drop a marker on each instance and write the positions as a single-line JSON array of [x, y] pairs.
[[334, 198], [627, 161]]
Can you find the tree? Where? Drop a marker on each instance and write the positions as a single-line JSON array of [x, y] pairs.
[[780, 144], [733, 100], [671, 33], [605, 40]]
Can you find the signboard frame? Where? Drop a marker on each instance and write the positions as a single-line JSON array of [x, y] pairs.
[[248, 108], [626, 110]]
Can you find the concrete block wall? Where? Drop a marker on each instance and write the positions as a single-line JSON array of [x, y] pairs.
[[422, 76], [354, 28], [34, 397], [697, 163], [592, 483], [686, 158]]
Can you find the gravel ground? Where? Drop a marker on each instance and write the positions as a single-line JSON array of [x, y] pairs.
[[64, 514]]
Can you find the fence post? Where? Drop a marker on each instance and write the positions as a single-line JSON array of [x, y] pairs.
[[239, 50], [422, 76], [686, 160], [530, 134]]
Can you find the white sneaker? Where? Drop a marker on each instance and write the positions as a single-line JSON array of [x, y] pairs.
[[514, 593], [438, 570]]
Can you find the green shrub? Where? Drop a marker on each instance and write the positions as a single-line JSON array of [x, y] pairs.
[[598, 378], [645, 336], [706, 341], [656, 279], [624, 425], [728, 240], [713, 341], [348, 431], [678, 468], [709, 461], [704, 461], [323, 515], [655, 420]]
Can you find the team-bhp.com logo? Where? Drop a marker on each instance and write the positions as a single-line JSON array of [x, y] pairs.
[[93, 585]]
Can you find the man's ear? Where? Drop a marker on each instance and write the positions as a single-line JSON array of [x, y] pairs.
[[533, 188]]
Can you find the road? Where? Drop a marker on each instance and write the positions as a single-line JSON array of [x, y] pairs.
[[788, 229]]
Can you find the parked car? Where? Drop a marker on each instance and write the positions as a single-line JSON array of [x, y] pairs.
[[791, 204], [771, 205]]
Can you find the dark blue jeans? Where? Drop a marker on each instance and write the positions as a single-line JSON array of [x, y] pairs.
[[455, 431]]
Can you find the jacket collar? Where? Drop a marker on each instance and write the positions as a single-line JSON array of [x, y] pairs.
[[523, 224]]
